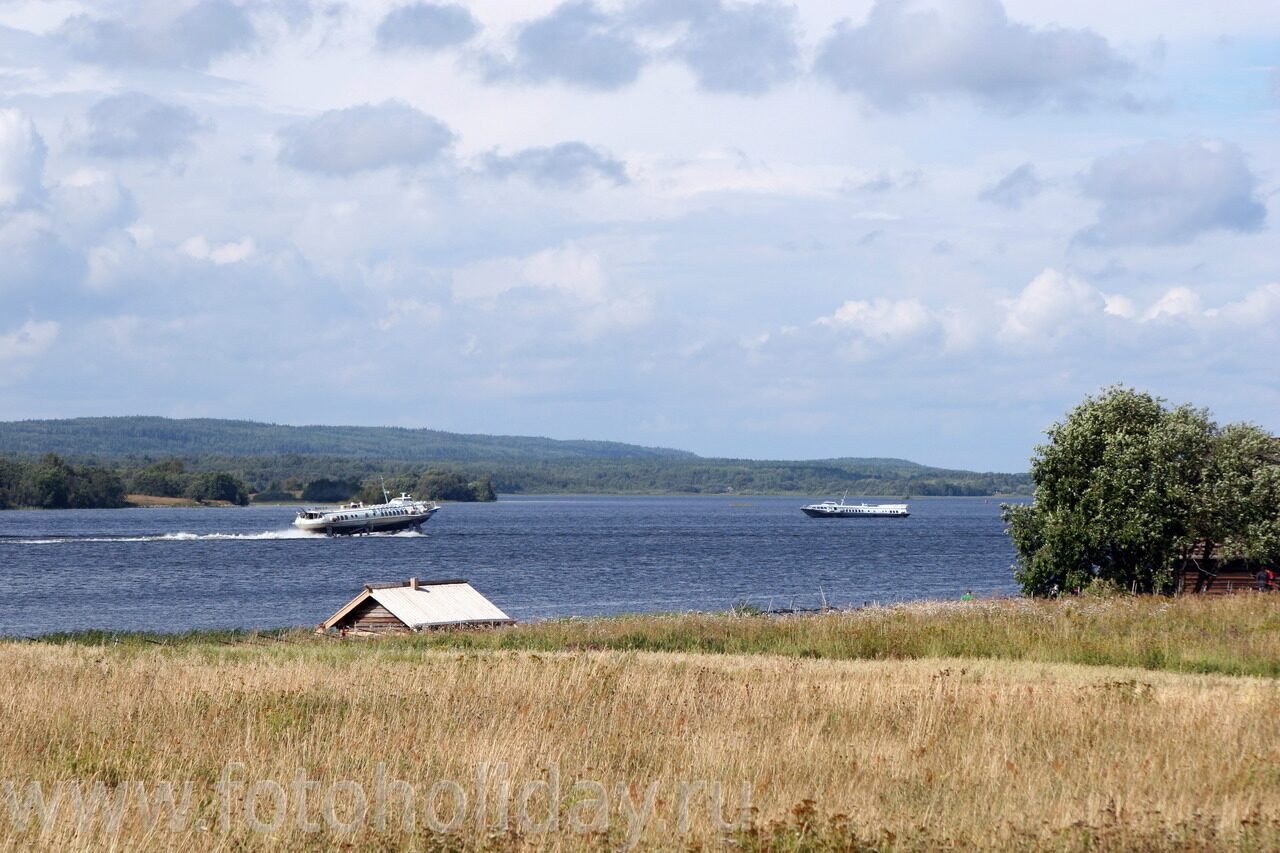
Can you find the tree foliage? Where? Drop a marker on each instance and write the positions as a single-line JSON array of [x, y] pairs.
[[217, 486], [53, 483], [1126, 487]]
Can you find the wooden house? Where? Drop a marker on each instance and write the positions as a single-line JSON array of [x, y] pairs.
[[413, 605]]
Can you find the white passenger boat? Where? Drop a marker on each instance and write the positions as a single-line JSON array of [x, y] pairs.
[[396, 514], [831, 509]]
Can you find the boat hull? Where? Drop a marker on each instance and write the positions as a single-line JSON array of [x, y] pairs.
[[363, 523], [837, 513]]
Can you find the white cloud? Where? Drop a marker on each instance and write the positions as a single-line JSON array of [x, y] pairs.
[[1167, 193], [1119, 305], [907, 49], [577, 43], [363, 138], [566, 164], [1176, 302], [1053, 310], [426, 27], [745, 48], [194, 37], [1050, 307], [1259, 307], [882, 320], [201, 249]]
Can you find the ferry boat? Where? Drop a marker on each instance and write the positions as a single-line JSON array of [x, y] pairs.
[[831, 509], [396, 514]]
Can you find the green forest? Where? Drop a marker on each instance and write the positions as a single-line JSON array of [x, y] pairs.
[[238, 461]]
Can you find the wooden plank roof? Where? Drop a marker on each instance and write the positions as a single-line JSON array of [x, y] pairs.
[[427, 604]]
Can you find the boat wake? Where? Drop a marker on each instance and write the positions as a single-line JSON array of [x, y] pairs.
[[267, 535]]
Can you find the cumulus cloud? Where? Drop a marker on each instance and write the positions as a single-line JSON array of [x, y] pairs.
[[1259, 307], [740, 48], [200, 34], [1054, 311], [1167, 193], [1014, 189], [1050, 307], [908, 49], [576, 43], [139, 126], [568, 164], [1175, 303], [882, 320], [28, 340], [363, 138], [426, 26], [22, 154]]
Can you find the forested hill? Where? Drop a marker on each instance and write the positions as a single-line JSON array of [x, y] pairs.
[[114, 438], [272, 458]]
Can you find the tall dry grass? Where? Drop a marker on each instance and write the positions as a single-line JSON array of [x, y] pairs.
[[915, 754]]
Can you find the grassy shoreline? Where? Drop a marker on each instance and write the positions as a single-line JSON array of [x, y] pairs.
[[1237, 635]]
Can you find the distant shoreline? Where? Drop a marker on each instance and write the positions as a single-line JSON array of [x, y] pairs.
[[160, 502]]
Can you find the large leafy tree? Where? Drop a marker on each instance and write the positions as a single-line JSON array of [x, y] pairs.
[[1127, 487]]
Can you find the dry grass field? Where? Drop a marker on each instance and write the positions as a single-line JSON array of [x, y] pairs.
[[586, 742]]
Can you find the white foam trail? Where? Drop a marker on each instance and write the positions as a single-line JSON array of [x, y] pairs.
[[205, 537]]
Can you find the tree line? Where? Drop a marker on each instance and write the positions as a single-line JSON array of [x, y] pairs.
[[53, 483], [1129, 490], [171, 479], [331, 479], [430, 484]]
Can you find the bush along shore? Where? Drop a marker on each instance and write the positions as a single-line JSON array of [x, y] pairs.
[[1088, 724]]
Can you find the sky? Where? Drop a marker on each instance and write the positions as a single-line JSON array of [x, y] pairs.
[[911, 228]]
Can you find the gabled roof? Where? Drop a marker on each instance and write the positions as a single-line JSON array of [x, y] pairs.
[[427, 604]]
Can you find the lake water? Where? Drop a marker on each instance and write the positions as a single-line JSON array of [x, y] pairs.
[[177, 569]]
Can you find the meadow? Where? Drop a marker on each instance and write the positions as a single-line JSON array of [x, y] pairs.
[[1123, 724]]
